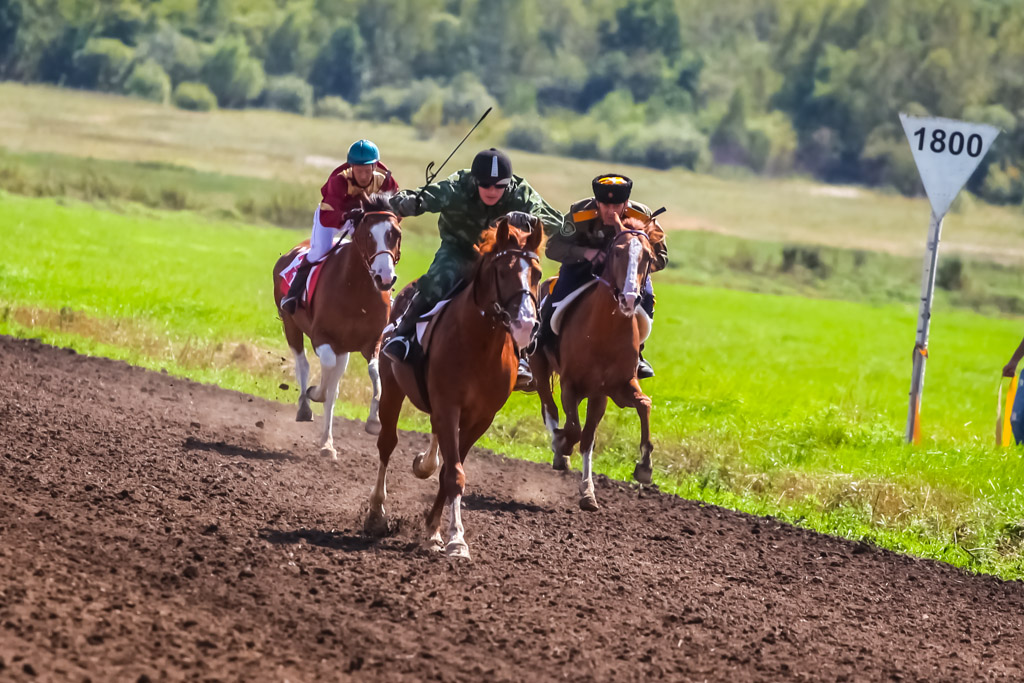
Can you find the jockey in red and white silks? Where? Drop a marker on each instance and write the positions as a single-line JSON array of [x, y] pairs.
[[346, 188]]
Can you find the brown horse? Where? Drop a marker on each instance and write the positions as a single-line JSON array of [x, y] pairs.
[[470, 370], [350, 308], [596, 357]]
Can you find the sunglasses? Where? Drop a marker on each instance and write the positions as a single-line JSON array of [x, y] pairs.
[[501, 183]]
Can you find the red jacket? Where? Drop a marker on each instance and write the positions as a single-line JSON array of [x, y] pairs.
[[341, 194]]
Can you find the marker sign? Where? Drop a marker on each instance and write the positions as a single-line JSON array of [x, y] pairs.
[[946, 152]]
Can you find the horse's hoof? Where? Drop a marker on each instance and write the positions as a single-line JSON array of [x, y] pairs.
[[434, 544], [311, 397], [305, 413], [455, 549], [329, 452], [588, 502], [376, 525], [373, 427], [560, 462], [417, 468], [642, 473]]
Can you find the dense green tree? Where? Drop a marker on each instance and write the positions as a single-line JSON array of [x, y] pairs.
[[233, 76], [340, 68]]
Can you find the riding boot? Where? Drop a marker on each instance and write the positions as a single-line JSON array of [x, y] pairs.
[[398, 346], [643, 368], [293, 298], [524, 376]]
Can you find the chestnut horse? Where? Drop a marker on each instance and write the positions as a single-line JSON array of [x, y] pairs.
[[596, 357], [470, 370], [350, 308]]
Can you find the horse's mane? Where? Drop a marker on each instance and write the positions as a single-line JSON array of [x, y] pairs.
[[378, 201], [488, 239], [637, 224]]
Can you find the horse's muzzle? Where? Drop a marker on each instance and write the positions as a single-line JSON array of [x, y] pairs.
[[382, 285]]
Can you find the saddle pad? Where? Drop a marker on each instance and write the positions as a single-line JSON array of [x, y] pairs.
[[425, 325], [562, 306], [288, 274]]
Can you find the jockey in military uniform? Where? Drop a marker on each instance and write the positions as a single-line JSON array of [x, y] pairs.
[[346, 188], [468, 201], [580, 246]]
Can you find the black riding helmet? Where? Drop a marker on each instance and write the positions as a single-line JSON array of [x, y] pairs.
[[492, 167]]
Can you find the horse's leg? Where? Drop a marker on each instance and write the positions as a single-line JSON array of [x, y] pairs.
[[391, 400], [453, 482], [332, 367], [296, 342], [435, 541], [644, 469], [373, 369], [595, 411], [565, 441], [541, 368], [426, 463]]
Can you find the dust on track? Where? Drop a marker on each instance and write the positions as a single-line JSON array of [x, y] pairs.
[[154, 528]]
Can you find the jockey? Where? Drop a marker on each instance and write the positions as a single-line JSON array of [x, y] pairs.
[[468, 202], [580, 247], [348, 185]]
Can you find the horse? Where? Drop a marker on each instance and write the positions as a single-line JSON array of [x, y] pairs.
[[596, 355], [469, 371], [350, 308]]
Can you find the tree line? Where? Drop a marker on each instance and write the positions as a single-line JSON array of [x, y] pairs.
[[774, 86]]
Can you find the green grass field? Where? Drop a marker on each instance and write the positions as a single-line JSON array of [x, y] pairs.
[[774, 404]]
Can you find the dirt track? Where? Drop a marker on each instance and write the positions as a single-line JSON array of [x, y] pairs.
[[155, 528]]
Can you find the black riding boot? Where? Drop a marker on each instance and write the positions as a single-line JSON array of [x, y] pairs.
[[643, 368], [398, 346], [524, 376], [293, 298]]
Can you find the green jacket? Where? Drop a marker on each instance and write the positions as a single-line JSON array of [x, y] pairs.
[[463, 216]]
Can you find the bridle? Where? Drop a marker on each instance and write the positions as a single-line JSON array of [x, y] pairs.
[[395, 252], [500, 308], [616, 290]]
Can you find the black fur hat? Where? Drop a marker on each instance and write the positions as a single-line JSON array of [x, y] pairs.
[[612, 188]]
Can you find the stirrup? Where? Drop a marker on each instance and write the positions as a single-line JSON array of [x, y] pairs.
[[397, 349], [644, 370], [524, 378], [290, 304]]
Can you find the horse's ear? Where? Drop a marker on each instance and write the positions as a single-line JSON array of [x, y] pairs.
[[356, 216], [501, 236], [536, 234]]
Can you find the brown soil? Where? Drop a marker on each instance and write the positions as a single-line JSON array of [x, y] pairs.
[[156, 529]]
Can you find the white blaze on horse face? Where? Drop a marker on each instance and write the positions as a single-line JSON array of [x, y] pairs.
[[383, 265], [525, 320], [631, 287]]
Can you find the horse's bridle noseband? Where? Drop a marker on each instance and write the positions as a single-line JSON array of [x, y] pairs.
[[616, 291], [395, 254], [500, 308]]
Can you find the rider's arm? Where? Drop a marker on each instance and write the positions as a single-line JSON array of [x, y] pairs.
[[531, 202], [659, 245], [433, 198], [562, 246], [1011, 368]]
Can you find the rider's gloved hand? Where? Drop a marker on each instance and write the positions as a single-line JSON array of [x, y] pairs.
[[520, 219], [409, 206]]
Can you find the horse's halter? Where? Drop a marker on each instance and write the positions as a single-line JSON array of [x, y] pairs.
[[503, 304], [616, 290], [394, 252]]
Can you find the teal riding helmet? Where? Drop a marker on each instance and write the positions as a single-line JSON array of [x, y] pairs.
[[362, 153]]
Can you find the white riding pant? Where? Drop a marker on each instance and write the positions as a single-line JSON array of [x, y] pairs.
[[324, 238]]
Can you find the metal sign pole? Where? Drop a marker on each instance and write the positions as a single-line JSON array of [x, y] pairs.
[[924, 318]]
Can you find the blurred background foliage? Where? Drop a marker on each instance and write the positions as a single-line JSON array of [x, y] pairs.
[[774, 86]]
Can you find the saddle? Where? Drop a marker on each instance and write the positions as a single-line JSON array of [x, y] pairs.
[[289, 273], [561, 308]]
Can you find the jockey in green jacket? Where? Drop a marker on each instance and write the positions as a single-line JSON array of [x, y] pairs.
[[468, 202]]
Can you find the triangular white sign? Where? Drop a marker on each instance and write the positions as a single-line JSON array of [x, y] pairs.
[[946, 152]]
